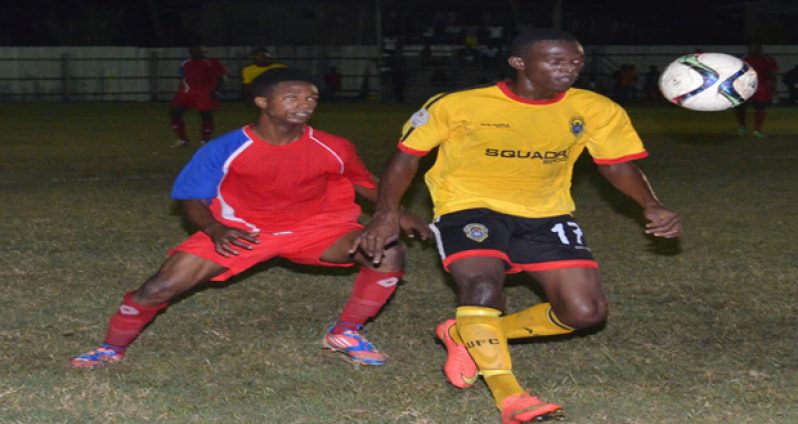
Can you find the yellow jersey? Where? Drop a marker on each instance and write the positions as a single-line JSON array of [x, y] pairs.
[[250, 72], [512, 155]]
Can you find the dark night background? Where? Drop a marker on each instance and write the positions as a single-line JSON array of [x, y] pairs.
[[148, 23]]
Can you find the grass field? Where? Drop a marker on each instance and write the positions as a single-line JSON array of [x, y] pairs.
[[701, 330]]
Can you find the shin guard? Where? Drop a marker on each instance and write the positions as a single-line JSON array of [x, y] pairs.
[[371, 291], [482, 333], [129, 320], [538, 320]]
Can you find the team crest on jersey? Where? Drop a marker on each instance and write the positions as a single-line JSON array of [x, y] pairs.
[[577, 125], [419, 118], [476, 232]]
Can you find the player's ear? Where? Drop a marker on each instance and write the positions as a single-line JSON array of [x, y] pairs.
[[516, 63], [261, 102]]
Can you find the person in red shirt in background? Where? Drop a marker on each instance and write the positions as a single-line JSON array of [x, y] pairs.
[[766, 68], [201, 80], [332, 83]]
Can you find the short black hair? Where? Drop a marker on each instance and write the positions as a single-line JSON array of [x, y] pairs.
[[266, 81], [530, 35]]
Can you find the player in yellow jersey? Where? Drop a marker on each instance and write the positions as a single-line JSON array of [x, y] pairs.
[[501, 190], [263, 61]]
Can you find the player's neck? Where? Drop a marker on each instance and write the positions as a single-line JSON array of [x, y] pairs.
[[278, 135], [527, 90], [527, 95]]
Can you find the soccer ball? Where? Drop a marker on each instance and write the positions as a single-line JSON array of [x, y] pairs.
[[708, 81]]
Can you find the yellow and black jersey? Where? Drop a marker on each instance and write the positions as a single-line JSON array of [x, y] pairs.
[[250, 72], [499, 151]]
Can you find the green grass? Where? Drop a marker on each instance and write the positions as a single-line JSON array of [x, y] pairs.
[[701, 330]]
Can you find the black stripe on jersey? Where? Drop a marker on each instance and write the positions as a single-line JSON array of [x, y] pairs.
[[435, 99], [429, 104]]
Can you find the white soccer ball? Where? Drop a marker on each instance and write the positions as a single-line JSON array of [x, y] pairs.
[[708, 81]]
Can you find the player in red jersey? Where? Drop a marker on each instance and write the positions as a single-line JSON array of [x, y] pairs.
[[276, 188], [766, 68], [202, 78]]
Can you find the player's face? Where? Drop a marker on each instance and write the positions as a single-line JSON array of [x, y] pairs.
[[549, 67], [292, 102]]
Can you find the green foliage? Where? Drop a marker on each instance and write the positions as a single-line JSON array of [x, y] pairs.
[[701, 330]]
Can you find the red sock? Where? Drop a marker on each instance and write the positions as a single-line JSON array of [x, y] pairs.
[[370, 292], [179, 127], [129, 320], [207, 129], [759, 119]]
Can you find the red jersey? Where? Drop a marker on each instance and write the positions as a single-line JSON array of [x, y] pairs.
[[765, 67], [260, 186], [201, 74]]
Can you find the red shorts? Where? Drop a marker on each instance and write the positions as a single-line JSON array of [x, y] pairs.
[[195, 99], [303, 246]]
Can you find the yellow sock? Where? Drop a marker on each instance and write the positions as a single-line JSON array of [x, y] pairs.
[[481, 332], [538, 320]]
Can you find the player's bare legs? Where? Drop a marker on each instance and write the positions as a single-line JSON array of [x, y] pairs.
[[576, 295], [373, 286], [179, 273]]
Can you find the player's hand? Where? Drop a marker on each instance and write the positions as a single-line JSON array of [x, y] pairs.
[[412, 225], [663, 222], [379, 233], [226, 239]]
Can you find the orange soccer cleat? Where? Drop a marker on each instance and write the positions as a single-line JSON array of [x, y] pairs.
[[460, 369], [523, 408]]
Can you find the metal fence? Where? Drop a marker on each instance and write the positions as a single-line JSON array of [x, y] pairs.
[[131, 74], [99, 74]]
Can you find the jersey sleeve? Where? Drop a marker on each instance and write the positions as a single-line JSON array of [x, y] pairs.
[[614, 139], [426, 129], [200, 178], [354, 169]]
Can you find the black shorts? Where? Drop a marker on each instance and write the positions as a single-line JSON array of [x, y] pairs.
[[525, 244]]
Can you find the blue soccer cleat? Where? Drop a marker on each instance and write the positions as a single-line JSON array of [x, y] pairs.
[[357, 349]]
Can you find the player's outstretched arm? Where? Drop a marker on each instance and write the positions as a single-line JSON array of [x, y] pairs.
[[225, 238], [631, 181], [387, 220]]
